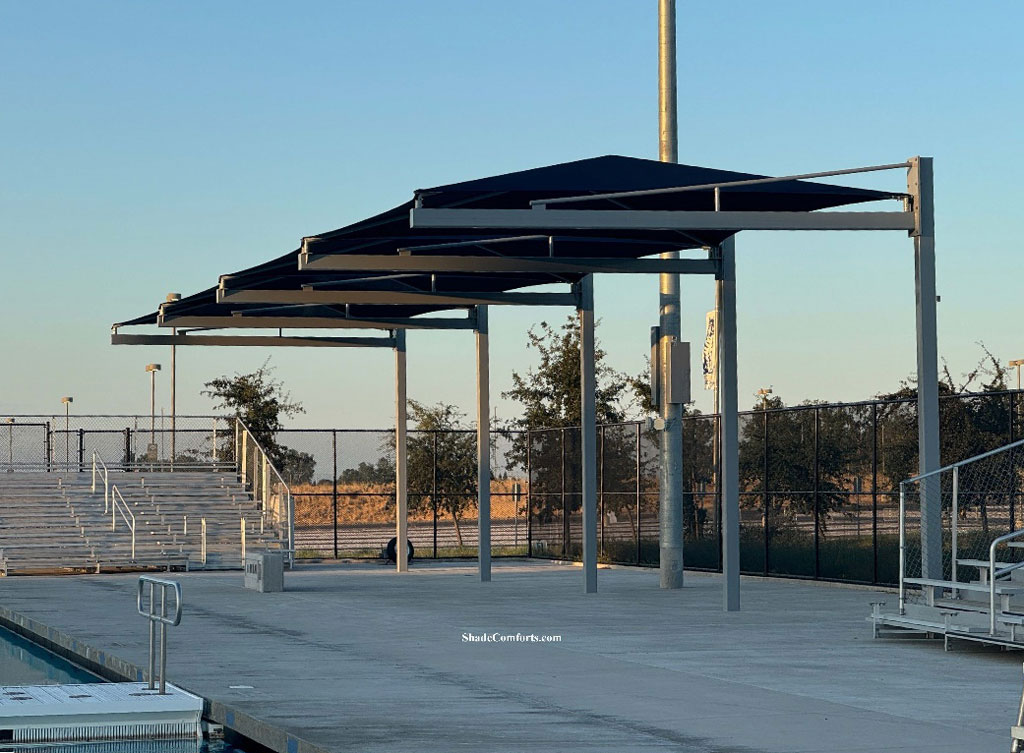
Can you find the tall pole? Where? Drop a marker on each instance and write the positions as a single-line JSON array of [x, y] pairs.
[[919, 184], [670, 507], [588, 432], [401, 458], [67, 430], [483, 445], [728, 407], [171, 298], [152, 406]]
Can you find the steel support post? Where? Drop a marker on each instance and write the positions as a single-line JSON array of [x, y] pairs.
[[670, 503], [483, 445], [174, 373], [919, 183], [401, 457], [728, 411], [588, 432]]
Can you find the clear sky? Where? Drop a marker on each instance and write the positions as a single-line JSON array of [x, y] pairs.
[[149, 147]]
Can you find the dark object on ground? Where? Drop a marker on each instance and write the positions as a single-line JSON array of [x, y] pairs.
[[391, 555]]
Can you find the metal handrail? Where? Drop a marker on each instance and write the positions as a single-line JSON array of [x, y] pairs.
[[125, 511], [993, 574], [267, 464], [106, 479], [161, 618], [959, 463]]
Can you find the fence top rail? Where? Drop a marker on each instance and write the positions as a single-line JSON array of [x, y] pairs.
[[959, 463]]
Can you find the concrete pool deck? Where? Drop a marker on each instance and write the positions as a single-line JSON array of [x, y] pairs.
[[353, 657]]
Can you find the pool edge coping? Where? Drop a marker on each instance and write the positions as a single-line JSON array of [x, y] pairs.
[[115, 669]]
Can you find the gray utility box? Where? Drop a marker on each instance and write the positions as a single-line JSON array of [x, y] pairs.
[[264, 571]]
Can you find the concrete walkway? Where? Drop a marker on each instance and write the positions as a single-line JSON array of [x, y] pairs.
[[356, 658]]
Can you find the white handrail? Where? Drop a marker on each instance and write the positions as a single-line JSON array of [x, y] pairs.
[[265, 465], [106, 479], [125, 511]]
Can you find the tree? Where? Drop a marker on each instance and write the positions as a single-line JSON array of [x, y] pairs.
[[550, 394], [368, 473], [259, 401], [445, 445], [297, 467]]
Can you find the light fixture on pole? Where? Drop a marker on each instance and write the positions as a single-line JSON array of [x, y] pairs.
[[763, 393], [151, 451], [67, 400], [1018, 363]]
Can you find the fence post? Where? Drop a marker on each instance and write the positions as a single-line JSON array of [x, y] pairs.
[[600, 481], [128, 459], [1013, 483], [817, 506], [48, 446], [637, 518], [334, 492], [874, 493], [566, 531], [81, 449], [764, 490], [433, 488], [529, 495]]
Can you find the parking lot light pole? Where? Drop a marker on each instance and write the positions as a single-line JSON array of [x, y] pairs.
[[152, 368]]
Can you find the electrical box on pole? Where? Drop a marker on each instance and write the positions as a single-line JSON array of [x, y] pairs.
[[670, 371]]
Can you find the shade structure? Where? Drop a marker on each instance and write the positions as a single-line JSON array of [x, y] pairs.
[[290, 290]]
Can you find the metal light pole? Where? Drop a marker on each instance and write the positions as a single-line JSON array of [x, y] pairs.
[[1018, 363], [152, 368], [67, 430], [670, 503], [171, 298]]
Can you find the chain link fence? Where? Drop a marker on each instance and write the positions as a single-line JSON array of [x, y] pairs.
[[819, 484]]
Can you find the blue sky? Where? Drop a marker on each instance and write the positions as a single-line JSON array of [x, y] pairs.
[[147, 148]]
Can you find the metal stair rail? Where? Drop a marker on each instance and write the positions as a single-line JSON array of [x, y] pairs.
[[99, 468], [266, 484], [126, 514], [980, 503], [161, 618]]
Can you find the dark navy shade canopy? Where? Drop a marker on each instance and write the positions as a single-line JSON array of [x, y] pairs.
[[389, 231]]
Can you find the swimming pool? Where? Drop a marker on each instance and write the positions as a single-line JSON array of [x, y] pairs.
[[24, 663]]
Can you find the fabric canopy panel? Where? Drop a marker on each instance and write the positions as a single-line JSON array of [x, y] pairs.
[[389, 232]]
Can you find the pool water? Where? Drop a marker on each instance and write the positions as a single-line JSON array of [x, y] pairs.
[[24, 663]]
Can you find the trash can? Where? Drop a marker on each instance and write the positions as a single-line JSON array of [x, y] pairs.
[[264, 571]]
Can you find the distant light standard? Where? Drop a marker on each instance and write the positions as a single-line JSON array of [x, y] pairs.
[[67, 430], [763, 393], [10, 445], [152, 368], [1018, 363]]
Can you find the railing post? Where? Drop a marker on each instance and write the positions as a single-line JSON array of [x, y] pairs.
[[202, 543], [903, 545], [245, 455], [93, 473], [953, 524], [152, 638], [242, 523], [215, 450]]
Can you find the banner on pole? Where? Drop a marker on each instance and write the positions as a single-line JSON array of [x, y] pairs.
[[710, 356]]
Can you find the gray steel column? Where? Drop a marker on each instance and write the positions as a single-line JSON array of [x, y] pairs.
[[729, 419], [588, 432], [483, 444], [670, 502], [401, 457], [919, 184], [174, 372]]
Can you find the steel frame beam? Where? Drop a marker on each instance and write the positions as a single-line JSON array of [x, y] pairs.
[[391, 297], [526, 264], [483, 444], [272, 341], [241, 321], [634, 219]]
